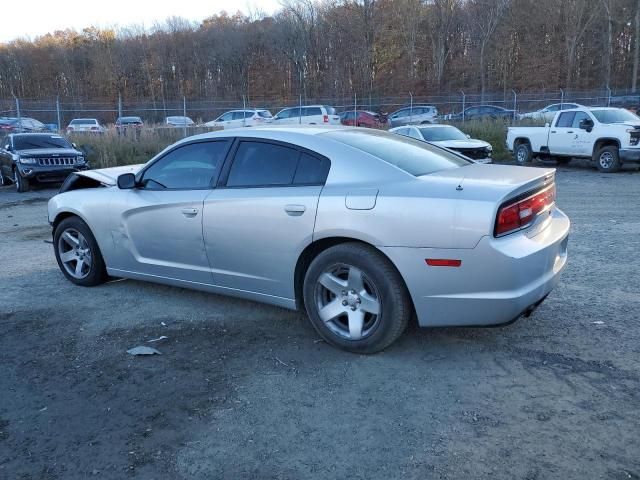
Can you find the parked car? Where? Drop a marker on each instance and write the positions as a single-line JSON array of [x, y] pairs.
[[414, 115], [482, 112], [450, 137], [607, 136], [242, 118], [179, 121], [28, 158], [361, 227], [129, 124], [21, 125], [85, 125], [547, 113], [309, 115], [362, 118]]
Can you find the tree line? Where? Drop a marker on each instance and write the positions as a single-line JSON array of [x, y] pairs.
[[335, 48]]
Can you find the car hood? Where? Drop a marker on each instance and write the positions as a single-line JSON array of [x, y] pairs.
[[61, 152], [109, 176], [461, 144]]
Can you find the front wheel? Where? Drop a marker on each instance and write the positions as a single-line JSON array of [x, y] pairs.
[[522, 153], [21, 183], [356, 299], [608, 159], [77, 253]]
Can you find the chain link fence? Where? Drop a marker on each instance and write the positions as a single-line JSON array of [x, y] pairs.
[[58, 112]]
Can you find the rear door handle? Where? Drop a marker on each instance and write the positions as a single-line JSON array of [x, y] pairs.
[[295, 210], [553, 131], [189, 212]]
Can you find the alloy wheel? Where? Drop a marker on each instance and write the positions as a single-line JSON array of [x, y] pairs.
[[606, 160], [75, 253], [348, 302]]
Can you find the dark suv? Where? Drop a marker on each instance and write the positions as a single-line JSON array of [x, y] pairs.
[[26, 158]]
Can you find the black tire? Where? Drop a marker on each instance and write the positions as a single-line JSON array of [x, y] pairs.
[[97, 272], [380, 280], [522, 153], [22, 184], [607, 159], [3, 180]]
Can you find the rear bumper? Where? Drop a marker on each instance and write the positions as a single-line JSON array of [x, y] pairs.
[[498, 281], [629, 155]]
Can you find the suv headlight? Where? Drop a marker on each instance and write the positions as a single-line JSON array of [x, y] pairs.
[[80, 160], [28, 161]]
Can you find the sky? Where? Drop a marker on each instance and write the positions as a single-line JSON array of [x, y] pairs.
[[32, 18]]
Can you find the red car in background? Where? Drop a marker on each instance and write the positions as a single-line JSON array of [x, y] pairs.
[[361, 118]]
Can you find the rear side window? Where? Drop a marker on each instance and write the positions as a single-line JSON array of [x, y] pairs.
[[258, 164], [565, 119], [309, 111], [311, 170]]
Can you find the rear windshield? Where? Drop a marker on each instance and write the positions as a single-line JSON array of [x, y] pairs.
[[27, 142], [83, 121], [413, 156], [265, 113], [330, 110], [130, 120]]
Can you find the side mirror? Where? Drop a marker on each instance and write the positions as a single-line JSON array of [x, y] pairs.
[[73, 144], [127, 181], [468, 136], [547, 125], [586, 124]]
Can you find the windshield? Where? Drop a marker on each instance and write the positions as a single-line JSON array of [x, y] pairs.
[[129, 120], [413, 156], [439, 134], [615, 115], [28, 142]]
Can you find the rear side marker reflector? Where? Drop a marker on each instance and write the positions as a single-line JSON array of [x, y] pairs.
[[443, 262]]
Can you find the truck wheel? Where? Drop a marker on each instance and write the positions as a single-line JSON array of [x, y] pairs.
[[608, 159], [22, 184], [522, 153]]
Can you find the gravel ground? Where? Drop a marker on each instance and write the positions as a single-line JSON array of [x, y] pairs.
[[244, 390]]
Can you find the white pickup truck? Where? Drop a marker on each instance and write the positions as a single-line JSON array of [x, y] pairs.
[[608, 136]]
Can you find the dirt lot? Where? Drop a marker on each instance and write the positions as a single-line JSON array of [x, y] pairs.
[[244, 390]]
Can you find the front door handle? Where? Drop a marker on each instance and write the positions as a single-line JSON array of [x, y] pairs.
[[553, 131], [570, 131], [189, 212], [295, 210]]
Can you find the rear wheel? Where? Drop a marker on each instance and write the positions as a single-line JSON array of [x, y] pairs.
[[78, 254], [607, 159], [22, 184], [356, 299], [522, 153]]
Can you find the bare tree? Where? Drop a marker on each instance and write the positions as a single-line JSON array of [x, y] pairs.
[[441, 20]]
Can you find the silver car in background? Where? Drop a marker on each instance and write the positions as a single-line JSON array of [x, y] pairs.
[[362, 228]]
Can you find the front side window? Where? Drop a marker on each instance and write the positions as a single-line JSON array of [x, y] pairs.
[[226, 117], [189, 167], [579, 116], [258, 164], [241, 115]]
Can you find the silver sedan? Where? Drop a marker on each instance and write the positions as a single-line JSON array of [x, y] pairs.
[[360, 227]]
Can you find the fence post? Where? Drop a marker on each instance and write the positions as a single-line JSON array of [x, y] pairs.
[[18, 111], [300, 110], [410, 107], [184, 114], [58, 113], [355, 108], [464, 98], [244, 111], [561, 98], [515, 104], [608, 97], [119, 105]]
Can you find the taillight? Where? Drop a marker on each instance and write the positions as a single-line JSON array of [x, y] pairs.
[[325, 118], [518, 214]]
